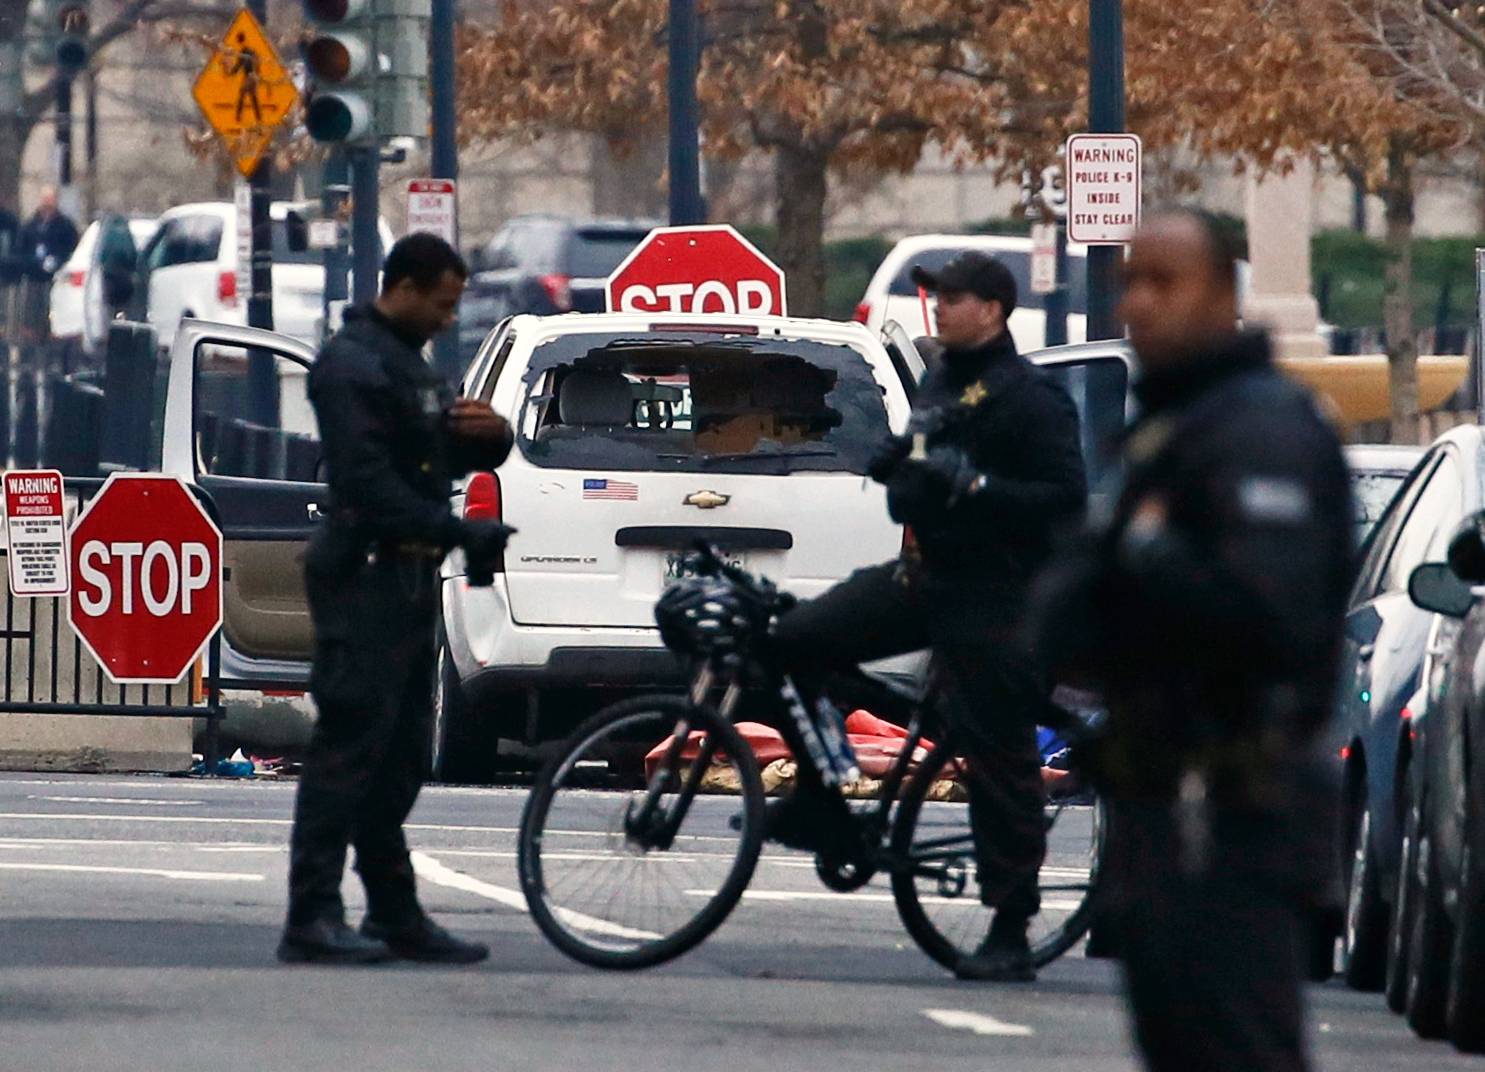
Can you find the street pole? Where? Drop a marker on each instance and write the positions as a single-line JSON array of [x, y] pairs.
[[64, 133], [1055, 303], [445, 150], [1105, 116], [262, 373], [335, 189], [685, 120], [365, 196], [90, 143]]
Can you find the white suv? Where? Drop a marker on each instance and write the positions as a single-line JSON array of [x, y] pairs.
[[637, 435], [192, 266], [892, 295]]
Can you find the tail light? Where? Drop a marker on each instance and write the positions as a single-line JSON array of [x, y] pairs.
[[227, 288], [1407, 714], [909, 541], [862, 313], [559, 290], [482, 503], [77, 277]]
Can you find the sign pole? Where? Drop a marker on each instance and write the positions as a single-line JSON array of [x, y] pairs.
[[1105, 116], [262, 373], [685, 153], [1477, 358], [365, 196], [445, 151]]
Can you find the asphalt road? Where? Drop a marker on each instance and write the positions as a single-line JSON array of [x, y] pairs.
[[138, 918]]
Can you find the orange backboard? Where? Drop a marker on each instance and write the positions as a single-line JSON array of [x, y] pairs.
[[244, 91]]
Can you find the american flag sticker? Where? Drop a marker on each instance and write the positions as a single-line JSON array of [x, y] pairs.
[[616, 490]]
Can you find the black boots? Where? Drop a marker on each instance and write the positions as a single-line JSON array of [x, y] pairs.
[[1003, 957], [425, 941], [329, 941]]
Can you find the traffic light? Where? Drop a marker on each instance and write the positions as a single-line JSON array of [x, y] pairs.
[[342, 62], [402, 83], [72, 42]]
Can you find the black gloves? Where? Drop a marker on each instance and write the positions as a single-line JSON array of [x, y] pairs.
[[484, 544], [888, 457], [922, 492]]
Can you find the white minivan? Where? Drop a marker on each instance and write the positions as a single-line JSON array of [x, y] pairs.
[[636, 436], [892, 295], [192, 266]]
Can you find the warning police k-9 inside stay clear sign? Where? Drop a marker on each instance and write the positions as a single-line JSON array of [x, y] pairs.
[[37, 530]]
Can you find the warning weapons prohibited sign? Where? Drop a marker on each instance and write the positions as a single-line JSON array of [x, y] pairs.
[[36, 529]]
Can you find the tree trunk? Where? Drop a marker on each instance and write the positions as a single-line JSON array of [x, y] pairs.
[[1397, 299], [799, 213]]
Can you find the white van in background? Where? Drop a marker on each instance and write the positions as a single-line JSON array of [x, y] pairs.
[[892, 295]]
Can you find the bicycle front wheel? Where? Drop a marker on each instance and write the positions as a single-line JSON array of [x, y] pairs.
[[934, 870], [634, 877]]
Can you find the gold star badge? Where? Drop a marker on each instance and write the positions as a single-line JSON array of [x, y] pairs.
[[974, 394]]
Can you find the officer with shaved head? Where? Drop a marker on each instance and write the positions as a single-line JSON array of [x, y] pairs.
[[1208, 612]]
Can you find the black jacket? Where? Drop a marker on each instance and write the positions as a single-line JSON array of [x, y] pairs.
[[1213, 630], [1019, 431], [389, 457], [48, 242]]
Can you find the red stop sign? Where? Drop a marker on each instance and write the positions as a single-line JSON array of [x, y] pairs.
[[710, 269], [146, 578]]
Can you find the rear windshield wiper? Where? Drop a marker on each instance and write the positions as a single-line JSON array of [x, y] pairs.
[[766, 456]]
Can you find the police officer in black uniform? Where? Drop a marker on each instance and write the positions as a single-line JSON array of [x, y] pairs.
[[1000, 468], [393, 437], [1209, 613]]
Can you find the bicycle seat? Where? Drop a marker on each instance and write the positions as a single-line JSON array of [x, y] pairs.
[[900, 689]]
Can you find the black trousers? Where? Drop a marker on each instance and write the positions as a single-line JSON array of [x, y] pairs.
[[372, 683], [996, 691], [1212, 961]]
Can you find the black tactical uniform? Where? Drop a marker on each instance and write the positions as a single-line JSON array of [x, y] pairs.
[[1212, 625], [371, 574], [1004, 470]]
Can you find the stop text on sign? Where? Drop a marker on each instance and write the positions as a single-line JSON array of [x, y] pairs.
[[709, 269], [163, 577], [751, 296]]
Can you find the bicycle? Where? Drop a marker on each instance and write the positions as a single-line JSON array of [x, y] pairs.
[[633, 879]]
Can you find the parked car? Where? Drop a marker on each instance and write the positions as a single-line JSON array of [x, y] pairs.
[[192, 270], [1378, 471], [544, 264], [1437, 972], [1384, 649], [634, 438], [78, 312], [892, 295]]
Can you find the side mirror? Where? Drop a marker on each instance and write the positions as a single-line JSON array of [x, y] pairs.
[[1467, 550], [1434, 586], [296, 232]]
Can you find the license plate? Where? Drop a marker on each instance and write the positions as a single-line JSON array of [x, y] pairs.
[[677, 568]]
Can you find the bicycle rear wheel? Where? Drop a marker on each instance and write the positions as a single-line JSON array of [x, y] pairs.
[[934, 868], [632, 878]]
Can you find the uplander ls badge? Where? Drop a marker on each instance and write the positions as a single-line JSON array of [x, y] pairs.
[[706, 500]]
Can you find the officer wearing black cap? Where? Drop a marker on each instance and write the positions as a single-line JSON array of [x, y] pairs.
[[394, 436], [996, 468]]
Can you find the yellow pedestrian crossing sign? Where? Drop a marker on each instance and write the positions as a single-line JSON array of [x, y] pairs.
[[244, 91]]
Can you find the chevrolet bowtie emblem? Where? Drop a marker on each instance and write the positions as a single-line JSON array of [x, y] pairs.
[[974, 394], [706, 500]]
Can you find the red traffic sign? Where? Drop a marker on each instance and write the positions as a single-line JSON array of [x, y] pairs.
[[146, 578], [710, 269]]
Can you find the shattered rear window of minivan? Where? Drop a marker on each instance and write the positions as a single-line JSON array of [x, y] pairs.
[[700, 402]]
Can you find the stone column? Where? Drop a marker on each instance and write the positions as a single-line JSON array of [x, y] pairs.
[[1279, 211]]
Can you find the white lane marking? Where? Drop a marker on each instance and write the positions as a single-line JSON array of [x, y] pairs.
[[228, 820], [429, 868], [117, 800], [150, 872], [883, 898], [978, 1022]]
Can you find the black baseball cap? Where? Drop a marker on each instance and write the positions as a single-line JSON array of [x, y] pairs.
[[971, 272]]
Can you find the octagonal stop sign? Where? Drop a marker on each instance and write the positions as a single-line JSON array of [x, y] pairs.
[[708, 269], [146, 578]]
